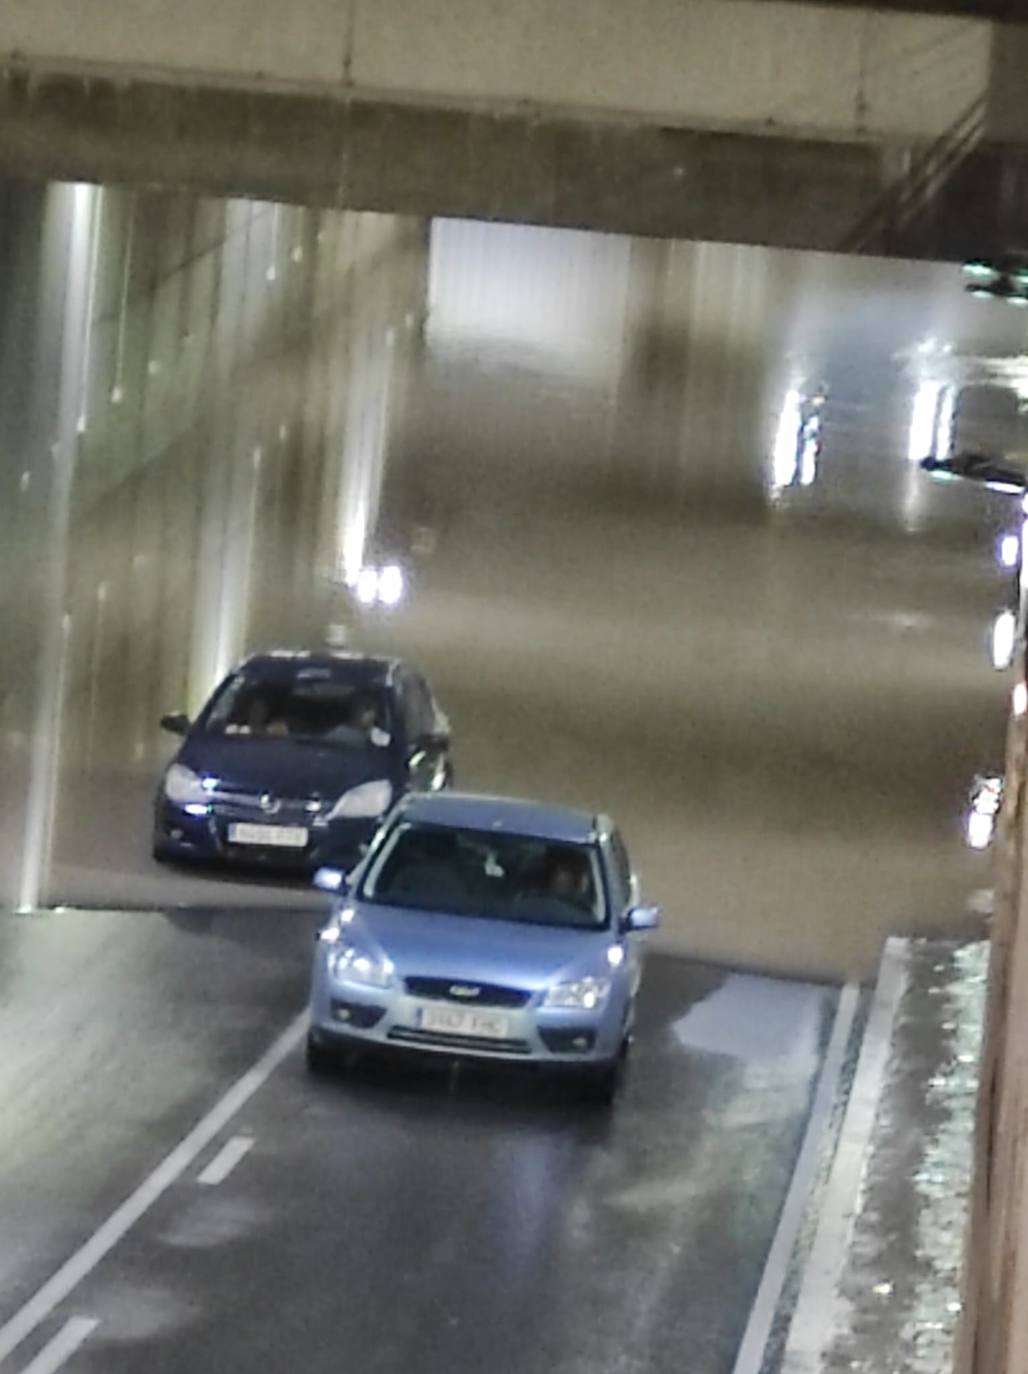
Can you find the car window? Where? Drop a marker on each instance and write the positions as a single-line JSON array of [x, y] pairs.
[[621, 871], [476, 873], [417, 707], [311, 704]]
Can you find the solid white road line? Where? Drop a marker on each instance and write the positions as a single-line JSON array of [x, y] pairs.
[[226, 1160], [814, 1320], [123, 1218], [750, 1355], [71, 1335]]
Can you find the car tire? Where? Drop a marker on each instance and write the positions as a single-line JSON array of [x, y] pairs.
[[602, 1085], [320, 1061]]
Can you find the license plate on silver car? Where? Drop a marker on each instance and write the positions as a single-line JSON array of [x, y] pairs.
[[276, 836], [482, 1025]]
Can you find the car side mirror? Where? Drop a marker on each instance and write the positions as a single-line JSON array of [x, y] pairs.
[[642, 918], [330, 879], [177, 723]]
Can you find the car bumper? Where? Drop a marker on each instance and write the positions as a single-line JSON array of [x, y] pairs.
[[209, 837], [349, 1016]]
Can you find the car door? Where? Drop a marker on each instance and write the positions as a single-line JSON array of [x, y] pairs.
[[427, 735]]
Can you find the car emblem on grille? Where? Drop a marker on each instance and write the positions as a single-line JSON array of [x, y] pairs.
[[269, 804], [463, 990]]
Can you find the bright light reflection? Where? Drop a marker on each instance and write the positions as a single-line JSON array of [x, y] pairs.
[[615, 956], [785, 458], [1004, 637], [367, 586], [1010, 550], [979, 829], [923, 420], [809, 451], [944, 423], [1019, 699], [390, 585]]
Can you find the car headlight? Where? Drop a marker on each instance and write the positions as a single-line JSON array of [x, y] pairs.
[[182, 785], [351, 965], [370, 799], [582, 994]]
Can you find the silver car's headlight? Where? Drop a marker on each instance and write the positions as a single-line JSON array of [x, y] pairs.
[[369, 799], [182, 785], [349, 964], [582, 994]]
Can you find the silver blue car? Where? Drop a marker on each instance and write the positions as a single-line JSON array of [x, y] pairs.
[[484, 928]]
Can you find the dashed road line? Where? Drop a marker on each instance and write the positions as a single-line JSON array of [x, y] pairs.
[[71, 1335], [226, 1160], [123, 1218]]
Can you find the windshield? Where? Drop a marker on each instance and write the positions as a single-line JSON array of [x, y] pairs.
[[311, 704], [492, 876]]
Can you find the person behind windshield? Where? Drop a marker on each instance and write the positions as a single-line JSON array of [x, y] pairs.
[[261, 719], [363, 713], [360, 722], [568, 880]]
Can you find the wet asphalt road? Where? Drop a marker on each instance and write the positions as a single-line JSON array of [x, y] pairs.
[[398, 1217]]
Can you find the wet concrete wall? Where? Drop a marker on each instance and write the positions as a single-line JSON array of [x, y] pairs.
[[197, 400], [633, 581]]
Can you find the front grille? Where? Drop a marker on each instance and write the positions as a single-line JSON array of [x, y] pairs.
[[357, 1014], [235, 804], [489, 994], [457, 1042]]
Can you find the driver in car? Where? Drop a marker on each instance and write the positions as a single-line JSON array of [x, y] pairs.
[[568, 880]]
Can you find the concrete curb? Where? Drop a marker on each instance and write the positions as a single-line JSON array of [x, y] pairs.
[[814, 1320]]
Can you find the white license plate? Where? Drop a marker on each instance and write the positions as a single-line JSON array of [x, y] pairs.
[[279, 836], [484, 1025]]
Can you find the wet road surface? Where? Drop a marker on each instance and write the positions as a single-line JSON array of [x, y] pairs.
[[397, 1216]]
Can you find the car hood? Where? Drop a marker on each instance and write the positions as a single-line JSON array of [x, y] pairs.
[[284, 767], [468, 948]]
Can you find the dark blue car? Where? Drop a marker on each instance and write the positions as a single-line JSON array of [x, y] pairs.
[[296, 758]]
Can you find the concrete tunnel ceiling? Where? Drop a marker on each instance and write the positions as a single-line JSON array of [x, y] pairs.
[[838, 128]]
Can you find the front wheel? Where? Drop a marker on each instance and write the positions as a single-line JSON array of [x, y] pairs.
[[602, 1085], [319, 1060]]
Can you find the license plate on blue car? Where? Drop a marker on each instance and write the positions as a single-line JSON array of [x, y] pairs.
[[482, 1025]]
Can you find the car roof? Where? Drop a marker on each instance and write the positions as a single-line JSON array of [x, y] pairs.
[[475, 811], [362, 667]]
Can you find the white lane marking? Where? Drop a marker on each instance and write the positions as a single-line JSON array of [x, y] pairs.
[[814, 1319], [124, 1217], [750, 1355], [226, 1160], [71, 1335]]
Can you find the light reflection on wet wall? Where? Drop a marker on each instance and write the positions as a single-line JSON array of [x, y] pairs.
[[197, 401], [666, 545]]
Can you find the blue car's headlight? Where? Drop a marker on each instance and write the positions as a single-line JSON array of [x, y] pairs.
[[581, 994], [182, 785], [349, 964], [370, 799]]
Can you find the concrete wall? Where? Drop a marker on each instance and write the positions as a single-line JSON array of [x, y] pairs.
[[756, 121], [199, 409]]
